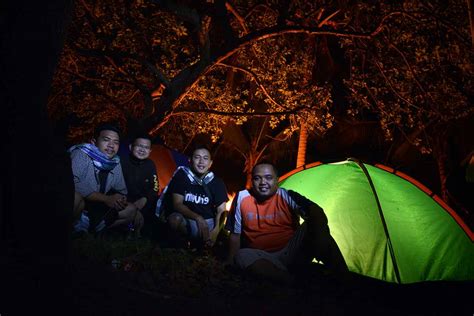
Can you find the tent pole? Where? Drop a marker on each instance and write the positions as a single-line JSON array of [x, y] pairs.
[[384, 223]]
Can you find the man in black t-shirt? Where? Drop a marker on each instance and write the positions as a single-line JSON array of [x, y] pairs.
[[198, 200]]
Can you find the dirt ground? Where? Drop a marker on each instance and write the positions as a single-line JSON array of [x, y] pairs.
[[179, 282]]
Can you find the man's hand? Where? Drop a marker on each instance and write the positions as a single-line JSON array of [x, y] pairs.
[[213, 236], [116, 201], [140, 203], [234, 246], [203, 229], [139, 221]]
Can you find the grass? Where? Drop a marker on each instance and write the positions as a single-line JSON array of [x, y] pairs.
[[183, 275], [173, 271], [180, 280]]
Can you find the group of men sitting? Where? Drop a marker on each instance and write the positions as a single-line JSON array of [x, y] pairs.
[[266, 236]]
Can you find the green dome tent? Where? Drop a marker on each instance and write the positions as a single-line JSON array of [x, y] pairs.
[[388, 226]]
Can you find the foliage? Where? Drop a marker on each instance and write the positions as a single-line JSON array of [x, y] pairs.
[[183, 68], [136, 60], [417, 74], [116, 55]]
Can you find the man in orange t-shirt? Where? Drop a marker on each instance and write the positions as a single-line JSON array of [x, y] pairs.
[[266, 236]]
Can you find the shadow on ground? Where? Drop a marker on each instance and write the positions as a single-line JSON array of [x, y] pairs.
[[135, 278]]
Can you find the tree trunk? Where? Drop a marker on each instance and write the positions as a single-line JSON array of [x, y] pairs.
[[470, 11], [302, 144], [36, 183]]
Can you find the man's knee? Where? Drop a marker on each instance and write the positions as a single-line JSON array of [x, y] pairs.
[[247, 257], [317, 229], [129, 213], [260, 265], [175, 221], [268, 269]]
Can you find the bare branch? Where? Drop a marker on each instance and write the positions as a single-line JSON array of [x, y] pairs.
[[389, 82], [77, 74], [410, 68], [130, 98], [257, 81], [258, 6], [262, 127], [278, 139], [236, 14], [326, 20]]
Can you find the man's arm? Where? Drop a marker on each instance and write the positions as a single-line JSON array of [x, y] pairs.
[[178, 205], [322, 244], [218, 222], [234, 246], [116, 201], [140, 203], [84, 173], [307, 208], [118, 180]]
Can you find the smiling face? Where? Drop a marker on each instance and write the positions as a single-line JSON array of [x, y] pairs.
[[141, 148], [108, 142], [201, 161], [264, 181]]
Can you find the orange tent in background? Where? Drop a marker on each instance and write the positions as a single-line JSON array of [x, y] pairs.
[[166, 161]]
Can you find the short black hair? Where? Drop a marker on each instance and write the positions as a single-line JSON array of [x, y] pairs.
[[143, 136], [266, 163], [200, 146], [106, 127]]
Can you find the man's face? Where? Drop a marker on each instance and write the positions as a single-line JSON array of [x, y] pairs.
[[264, 181], [201, 161], [108, 143], [141, 148]]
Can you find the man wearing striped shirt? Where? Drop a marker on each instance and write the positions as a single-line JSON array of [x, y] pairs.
[[266, 235]]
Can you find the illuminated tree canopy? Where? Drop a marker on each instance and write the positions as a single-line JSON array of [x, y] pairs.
[[418, 72], [180, 68], [154, 62]]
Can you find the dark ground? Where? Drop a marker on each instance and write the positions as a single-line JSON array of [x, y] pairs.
[[179, 282]]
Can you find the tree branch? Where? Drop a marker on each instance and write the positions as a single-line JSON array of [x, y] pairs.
[[257, 81], [236, 14], [377, 64], [418, 83], [77, 74], [296, 110], [180, 91]]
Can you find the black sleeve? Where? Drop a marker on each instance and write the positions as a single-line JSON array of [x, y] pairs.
[[178, 183], [125, 168], [304, 204], [219, 191]]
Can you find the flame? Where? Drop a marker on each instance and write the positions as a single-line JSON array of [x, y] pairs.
[[228, 204]]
